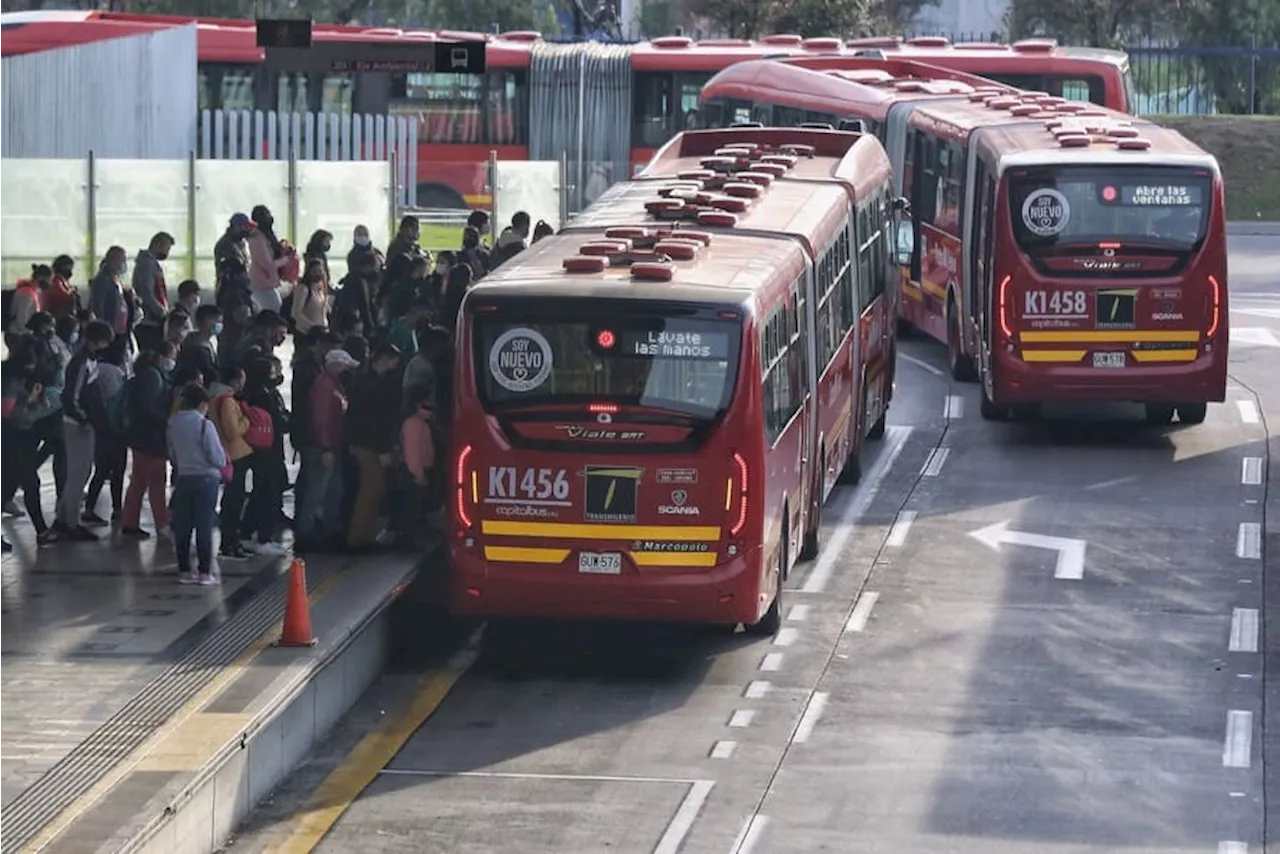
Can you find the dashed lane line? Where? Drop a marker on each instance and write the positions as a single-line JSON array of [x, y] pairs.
[[1251, 471], [937, 458], [862, 611], [901, 527], [1248, 411], [1249, 541], [809, 718], [757, 689], [1237, 744], [771, 663], [1244, 630], [723, 749], [742, 718], [750, 834], [953, 407]]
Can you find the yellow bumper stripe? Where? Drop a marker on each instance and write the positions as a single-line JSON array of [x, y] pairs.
[[1164, 355], [699, 559], [1119, 336], [570, 530], [517, 554], [1052, 355]]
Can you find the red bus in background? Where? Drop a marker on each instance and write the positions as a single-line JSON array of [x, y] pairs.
[[463, 117], [653, 405], [1062, 251]]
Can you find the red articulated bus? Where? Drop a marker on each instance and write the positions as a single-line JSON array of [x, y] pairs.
[[1062, 251], [652, 406], [464, 117]]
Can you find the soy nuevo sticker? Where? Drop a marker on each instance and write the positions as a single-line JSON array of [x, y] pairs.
[[1045, 212], [520, 360]]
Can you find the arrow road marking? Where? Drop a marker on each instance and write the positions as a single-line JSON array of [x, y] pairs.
[[1070, 552]]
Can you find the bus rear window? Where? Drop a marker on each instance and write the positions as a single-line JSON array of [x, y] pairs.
[[1059, 206], [552, 354]]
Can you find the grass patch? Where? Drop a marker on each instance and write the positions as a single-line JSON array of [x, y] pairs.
[[438, 237], [1248, 150]]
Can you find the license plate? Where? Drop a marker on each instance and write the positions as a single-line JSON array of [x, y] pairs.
[[600, 563], [1109, 360]]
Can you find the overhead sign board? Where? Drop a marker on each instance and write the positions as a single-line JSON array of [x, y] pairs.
[[276, 32], [350, 57]]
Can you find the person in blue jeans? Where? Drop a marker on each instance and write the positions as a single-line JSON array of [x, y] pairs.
[[198, 460]]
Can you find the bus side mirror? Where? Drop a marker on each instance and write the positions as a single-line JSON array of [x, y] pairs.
[[905, 241]]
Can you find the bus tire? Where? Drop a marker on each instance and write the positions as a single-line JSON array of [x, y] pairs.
[[812, 542], [1192, 413], [1159, 413], [961, 365], [877, 430], [989, 411], [768, 625], [852, 471], [903, 328]]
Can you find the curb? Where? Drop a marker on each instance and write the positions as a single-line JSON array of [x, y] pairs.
[[202, 817], [1249, 228]]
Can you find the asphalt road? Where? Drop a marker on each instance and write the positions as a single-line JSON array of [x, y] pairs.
[[950, 678]]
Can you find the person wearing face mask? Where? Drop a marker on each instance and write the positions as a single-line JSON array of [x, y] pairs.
[[311, 298], [62, 298], [148, 277], [200, 349], [268, 257], [266, 505], [79, 396], [150, 403], [473, 253], [107, 298], [362, 245], [231, 422], [318, 248], [188, 302]]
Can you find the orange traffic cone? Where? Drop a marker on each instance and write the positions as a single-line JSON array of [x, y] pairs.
[[297, 610]]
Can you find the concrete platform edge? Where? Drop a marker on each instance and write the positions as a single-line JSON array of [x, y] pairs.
[[1244, 227], [204, 814]]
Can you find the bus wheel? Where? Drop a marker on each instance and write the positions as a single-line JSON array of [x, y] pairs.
[[904, 329], [813, 537], [768, 625], [1159, 413], [988, 409], [960, 364], [1192, 413], [852, 471], [877, 430]]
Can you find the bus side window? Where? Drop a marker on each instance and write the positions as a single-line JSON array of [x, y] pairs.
[[788, 117], [865, 291], [845, 287]]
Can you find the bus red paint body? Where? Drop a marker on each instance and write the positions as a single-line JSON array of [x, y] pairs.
[[652, 406]]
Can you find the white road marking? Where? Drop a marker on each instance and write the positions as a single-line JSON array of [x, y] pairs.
[[742, 717], [771, 662], [1107, 484], [809, 719], [1249, 541], [1070, 563], [723, 749], [682, 822], [1237, 746], [953, 407], [1251, 471], [1233, 847], [750, 834], [901, 526], [895, 441], [798, 613], [933, 465], [1253, 336], [1244, 630], [921, 363], [786, 637], [1248, 411], [756, 689], [861, 612]]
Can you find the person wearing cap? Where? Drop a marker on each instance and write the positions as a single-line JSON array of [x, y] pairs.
[[319, 508]]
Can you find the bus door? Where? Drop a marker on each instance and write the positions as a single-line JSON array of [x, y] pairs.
[[803, 300], [895, 142], [980, 251]]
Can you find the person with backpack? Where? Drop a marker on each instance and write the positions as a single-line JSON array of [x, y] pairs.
[[228, 416], [111, 452], [262, 400], [28, 298], [147, 402]]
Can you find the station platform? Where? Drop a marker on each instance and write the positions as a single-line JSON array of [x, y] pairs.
[[144, 716]]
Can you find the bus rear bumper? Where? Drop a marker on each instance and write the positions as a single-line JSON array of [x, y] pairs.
[[726, 593], [1202, 381]]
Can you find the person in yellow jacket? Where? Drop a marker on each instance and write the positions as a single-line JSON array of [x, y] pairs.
[[227, 414]]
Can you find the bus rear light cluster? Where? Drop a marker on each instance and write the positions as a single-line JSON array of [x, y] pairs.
[[736, 490], [1215, 308], [1002, 300], [461, 478]]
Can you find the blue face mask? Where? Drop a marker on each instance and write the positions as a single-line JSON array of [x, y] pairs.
[[74, 339], [217, 328], [168, 366], [362, 241]]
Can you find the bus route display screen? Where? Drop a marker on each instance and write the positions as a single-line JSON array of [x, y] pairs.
[[677, 345], [1161, 195]]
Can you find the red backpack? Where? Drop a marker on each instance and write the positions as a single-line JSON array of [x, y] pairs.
[[261, 433]]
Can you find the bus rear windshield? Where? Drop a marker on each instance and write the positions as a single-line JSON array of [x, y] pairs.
[[1152, 205], [550, 353]]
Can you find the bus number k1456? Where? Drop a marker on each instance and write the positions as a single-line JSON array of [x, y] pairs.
[[1056, 303], [528, 484]]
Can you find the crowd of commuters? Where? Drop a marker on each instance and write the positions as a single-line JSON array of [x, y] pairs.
[[181, 403]]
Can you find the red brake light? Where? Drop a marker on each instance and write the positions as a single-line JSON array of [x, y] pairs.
[[603, 408], [1215, 314], [1005, 329], [1109, 194], [460, 480], [737, 485], [1109, 244], [605, 339]]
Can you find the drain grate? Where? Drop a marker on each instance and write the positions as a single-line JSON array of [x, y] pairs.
[[145, 713]]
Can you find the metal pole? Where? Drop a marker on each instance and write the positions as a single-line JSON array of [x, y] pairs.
[[393, 191], [192, 235], [494, 189], [1253, 71], [564, 189], [293, 195], [91, 212], [582, 125]]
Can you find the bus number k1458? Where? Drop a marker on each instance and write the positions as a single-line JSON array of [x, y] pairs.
[[1056, 303], [529, 484]]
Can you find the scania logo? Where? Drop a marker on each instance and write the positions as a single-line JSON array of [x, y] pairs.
[[679, 497]]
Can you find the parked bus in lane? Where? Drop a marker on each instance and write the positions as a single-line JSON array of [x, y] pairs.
[[1062, 251], [464, 117], [653, 405]]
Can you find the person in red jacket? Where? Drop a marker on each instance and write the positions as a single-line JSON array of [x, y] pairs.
[[320, 506], [61, 298]]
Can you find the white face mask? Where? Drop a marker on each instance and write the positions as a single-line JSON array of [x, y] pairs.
[[362, 241]]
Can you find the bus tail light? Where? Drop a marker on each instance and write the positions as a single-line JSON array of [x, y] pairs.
[[460, 482], [1215, 307], [736, 489], [1002, 299]]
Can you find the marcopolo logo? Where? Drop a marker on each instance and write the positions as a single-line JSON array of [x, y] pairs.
[[520, 360]]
